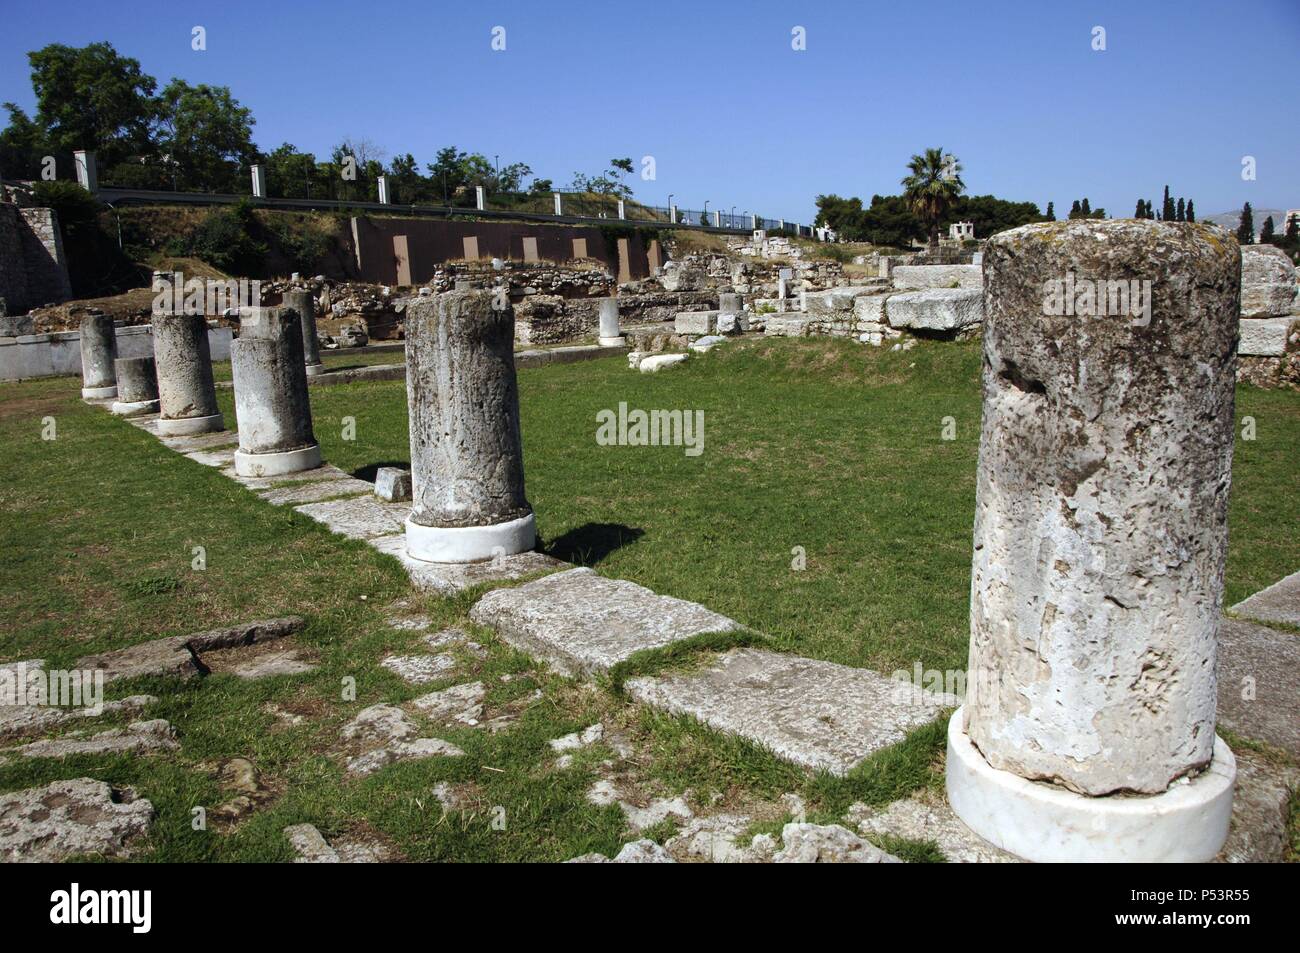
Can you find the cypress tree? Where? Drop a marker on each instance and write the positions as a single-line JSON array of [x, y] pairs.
[[1191, 212], [1246, 227], [1141, 211], [1051, 213], [1181, 213], [1167, 208], [1266, 234], [1085, 209], [1074, 209]]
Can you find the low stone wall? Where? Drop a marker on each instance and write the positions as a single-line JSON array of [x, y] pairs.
[[54, 355], [33, 269]]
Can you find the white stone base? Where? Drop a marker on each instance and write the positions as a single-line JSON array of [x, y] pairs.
[[189, 426], [1044, 823], [618, 341], [470, 544], [277, 464], [314, 369], [134, 408], [98, 393]]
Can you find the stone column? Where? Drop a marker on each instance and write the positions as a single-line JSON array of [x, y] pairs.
[[137, 387], [467, 463], [610, 335], [1100, 533], [304, 304], [271, 404], [87, 174], [98, 352], [187, 398], [259, 181]]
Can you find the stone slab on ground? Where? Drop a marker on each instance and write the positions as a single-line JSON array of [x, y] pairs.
[[637, 852], [138, 737], [419, 669], [310, 847], [180, 654], [450, 578], [27, 719], [828, 844], [581, 623], [915, 277], [1263, 665], [1259, 831], [359, 517], [315, 492], [818, 715], [66, 818], [221, 457], [1280, 602], [922, 819], [202, 441], [318, 474], [462, 703]]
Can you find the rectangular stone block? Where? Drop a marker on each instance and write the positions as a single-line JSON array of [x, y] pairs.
[[789, 324], [581, 623], [696, 322], [1268, 337], [818, 715], [832, 301], [936, 309], [914, 277], [869, 309]]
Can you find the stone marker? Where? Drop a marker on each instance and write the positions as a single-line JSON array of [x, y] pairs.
[[271, 403], [98, 352], [304, 303], [467, 458], [393, 484], [137, 387], [187, 395], [609, 331], [1100, 534]]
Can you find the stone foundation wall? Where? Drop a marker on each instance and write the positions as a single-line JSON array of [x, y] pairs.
[[33, 269], [59, 354]]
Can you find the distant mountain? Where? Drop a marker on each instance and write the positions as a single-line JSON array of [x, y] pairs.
[[1230, 220]]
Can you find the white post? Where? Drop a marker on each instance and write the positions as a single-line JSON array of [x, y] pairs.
[[259, 181], [753, 223], [559, 204], [717, 219], [384, 197], [86, 177], [480, 195], [622, 210], [672, 214]]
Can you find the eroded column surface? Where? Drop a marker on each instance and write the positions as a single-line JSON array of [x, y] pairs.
[[1101, 501], [187, 397], [137, 387], [98, 352], [272, 409], [467, 462], [304, 304]]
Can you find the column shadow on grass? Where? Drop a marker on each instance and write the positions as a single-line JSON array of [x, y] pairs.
[[369, 471], [588, 544]]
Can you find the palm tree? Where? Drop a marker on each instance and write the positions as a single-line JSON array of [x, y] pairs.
[[932, 188]]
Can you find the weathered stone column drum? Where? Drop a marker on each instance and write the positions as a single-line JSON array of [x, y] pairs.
[[98, 352], [271, 404], [467, 463], [304, 303], [610, 336], [137, 387], [1100, 536], [187, 397]]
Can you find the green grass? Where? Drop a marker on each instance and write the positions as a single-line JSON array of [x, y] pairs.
[[822, 445]]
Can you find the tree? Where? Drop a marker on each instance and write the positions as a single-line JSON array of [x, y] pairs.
[[1180, 215], [206, 136], [22, 144], [1075, 210], [91, 98], [1051, 213], [290, 173], [1246, 226], [1085, 209], [1167, 212], [1191, 211], [1267, 233], [931, 188], [1141, 211], [622, 167]]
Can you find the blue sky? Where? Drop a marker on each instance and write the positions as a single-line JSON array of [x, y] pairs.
[[730, 112]]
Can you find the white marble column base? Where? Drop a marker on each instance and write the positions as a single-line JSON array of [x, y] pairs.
[[618, 341], [134, 408], [470, 544], [188, 426], [277, 464], [1046, 823], [98, 393]]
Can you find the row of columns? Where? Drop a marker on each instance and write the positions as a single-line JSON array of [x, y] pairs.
[[1088, 729]]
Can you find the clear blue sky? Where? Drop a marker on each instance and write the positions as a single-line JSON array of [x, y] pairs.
[[730, 112]]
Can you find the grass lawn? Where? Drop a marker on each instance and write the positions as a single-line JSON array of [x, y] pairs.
[[822, 445]]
